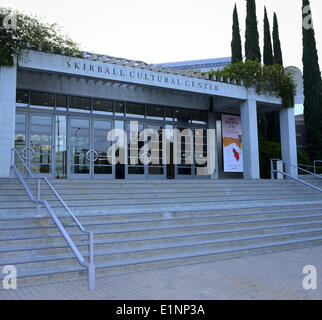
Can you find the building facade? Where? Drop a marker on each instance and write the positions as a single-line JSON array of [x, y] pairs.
[[57, 110]]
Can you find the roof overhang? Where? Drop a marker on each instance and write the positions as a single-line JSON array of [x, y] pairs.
[[98, 70]]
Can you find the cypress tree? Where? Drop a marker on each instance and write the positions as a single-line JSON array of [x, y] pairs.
[[252, 50], [278, 57], [312, 91], [268, 50], [236, 45], [269, 122]]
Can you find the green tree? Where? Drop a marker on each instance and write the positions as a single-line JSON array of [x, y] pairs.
[[236, 45], [252, 50], [268, 50], [268, 123], [312, 88], [278, 57]]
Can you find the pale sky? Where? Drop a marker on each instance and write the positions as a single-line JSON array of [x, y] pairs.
[[157, 31], [169, 30]]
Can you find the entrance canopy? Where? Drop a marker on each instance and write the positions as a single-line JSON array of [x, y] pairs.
[[127, 72]]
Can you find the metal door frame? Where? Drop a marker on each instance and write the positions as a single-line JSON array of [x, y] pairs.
[[91, 175], [28, 153]]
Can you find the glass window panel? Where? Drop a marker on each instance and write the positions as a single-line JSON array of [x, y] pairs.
[[135, 110], [42, 99], [156, 170], [119, 109], [22, 97], [20, 135], [61, 101], [103, 170], [184, 171], [199, 116], [182, 115], [40, 168], [103, 107], [80, 103], [154, 112], [168, 112], [79, 169], [136, 170]]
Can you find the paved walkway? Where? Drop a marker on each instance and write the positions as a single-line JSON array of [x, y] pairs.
[[271, 276]]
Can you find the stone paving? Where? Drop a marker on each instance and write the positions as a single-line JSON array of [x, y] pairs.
[[271, 276]]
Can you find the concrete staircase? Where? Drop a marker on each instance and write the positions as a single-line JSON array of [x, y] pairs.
[[140, 225]]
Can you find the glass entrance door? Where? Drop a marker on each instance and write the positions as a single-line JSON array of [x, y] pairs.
[[156, 169], [135, 168], [34, 140], [100, 166], [183, 153], [88, 148], [41, 142], [79, 147]]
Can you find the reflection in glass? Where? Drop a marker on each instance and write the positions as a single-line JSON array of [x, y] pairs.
[[135, 110], [22, 97], [42, 99], [199, 116], [61, 147], [41, 143], [79, 145], [182, 115], [101, 146], [154, 112], [20, 138], [104, 107], [80, 104]]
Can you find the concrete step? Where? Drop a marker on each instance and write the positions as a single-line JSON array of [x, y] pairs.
[[51, 275], [40, 247], [273, 211], [146, 224], [67, 268], [88, 194]]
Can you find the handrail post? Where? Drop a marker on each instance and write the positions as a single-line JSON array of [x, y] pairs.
[[91, 267], [38, 198], [272, 170]]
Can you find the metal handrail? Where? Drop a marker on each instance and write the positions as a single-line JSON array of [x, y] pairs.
[[306, 171], [89, 265], [289, 176]]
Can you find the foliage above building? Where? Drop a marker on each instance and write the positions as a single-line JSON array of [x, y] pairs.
[[19, 32], [274, 80]]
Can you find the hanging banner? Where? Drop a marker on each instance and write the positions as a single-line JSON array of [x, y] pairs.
[[232, 143]]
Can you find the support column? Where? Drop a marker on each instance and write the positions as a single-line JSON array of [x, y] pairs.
[[288, 140], [212, 125], [248, 111], [8, 84]]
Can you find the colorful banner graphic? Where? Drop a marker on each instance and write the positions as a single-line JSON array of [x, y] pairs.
[[232, 143]]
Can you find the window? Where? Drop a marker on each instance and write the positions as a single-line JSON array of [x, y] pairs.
[[154, 112], [103, 106], [182, 115], [199, 117], [168, 112], [119, 109], [135, 110], [79, 103], [22, 97], [61, 101], [42, 99]]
